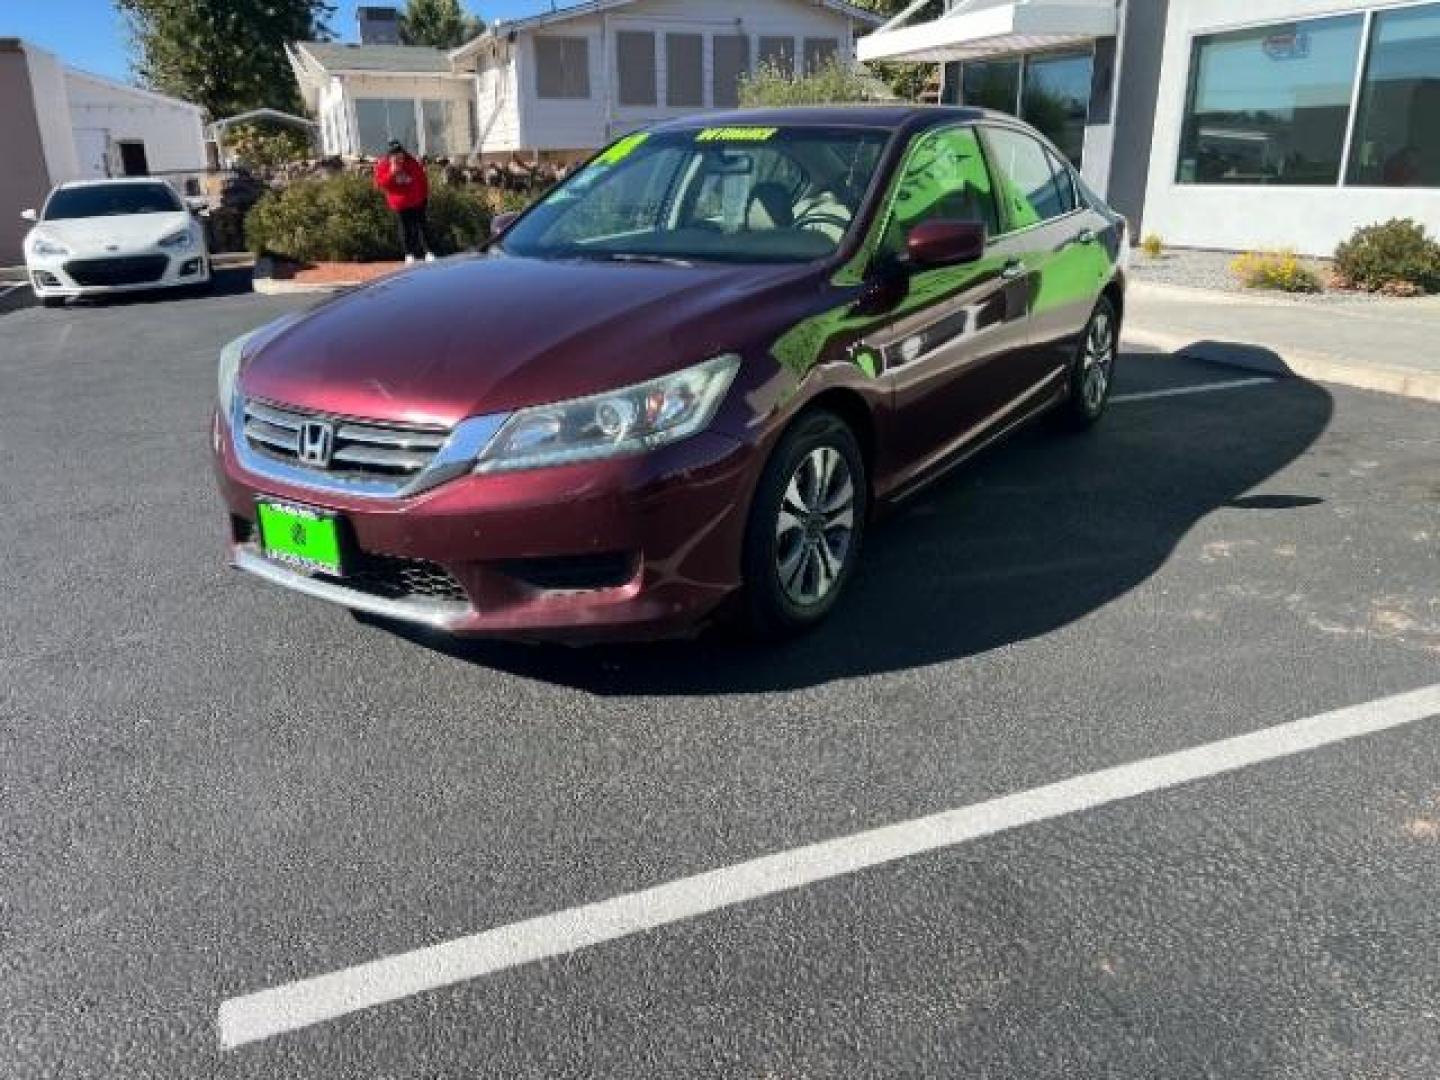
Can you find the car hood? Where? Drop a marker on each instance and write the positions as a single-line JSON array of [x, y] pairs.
[[491, 333], [112, 235]]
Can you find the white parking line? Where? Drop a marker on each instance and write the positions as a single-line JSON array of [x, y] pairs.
[[1178, 391], [298, 1005]]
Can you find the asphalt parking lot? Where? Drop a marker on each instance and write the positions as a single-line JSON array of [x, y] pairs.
[[211, 791]]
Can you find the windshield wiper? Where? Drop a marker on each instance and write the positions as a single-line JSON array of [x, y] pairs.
[[632, 257]]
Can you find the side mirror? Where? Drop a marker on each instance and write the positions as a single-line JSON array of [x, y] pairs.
[[501, 222], [29, 215], [942, 242]]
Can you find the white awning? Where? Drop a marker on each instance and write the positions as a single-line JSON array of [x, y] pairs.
[[980, 28]]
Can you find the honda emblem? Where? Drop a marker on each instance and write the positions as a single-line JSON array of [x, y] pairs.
[[316, 443]]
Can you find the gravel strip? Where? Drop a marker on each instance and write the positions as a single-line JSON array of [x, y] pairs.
[[1198, 269]]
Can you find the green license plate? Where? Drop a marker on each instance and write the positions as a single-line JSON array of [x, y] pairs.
[[303, 538]]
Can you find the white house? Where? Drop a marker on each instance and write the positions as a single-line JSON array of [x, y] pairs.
[[561, 84], [63, 124]]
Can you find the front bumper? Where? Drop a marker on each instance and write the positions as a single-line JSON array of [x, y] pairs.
[[60, 276], [638, 547]]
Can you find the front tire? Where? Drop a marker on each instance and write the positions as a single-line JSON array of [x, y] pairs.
[[1092, 372], [52, 301], [807, 522]]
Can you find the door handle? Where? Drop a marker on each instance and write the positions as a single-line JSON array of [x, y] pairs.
[[1013, 269], [1085, 236]]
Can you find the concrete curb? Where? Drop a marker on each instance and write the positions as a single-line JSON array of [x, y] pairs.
[[277, 287], [1363, 375]]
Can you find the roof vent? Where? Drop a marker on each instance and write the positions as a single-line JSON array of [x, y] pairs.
[[378, 25]]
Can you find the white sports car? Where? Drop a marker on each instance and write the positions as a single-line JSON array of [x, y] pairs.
[[109, 236]]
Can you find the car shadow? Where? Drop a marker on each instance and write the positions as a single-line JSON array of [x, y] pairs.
[[1030, 536]]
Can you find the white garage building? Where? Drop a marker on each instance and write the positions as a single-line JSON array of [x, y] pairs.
[[63, 124]]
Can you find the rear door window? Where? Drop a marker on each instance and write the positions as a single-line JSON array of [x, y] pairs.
[[1032, 191]]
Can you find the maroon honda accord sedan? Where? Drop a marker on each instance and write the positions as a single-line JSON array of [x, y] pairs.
[[682, 383]]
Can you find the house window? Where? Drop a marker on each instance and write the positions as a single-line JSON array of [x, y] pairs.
[[1270, 105], [684, 70], [379, 120], [1397, 131], [820, 53], [562, 67], [1056, 100], [777, 54], [635, 59], [731, 60], [443, 137]]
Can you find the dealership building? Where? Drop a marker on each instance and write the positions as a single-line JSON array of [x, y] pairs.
[[1232, 124]]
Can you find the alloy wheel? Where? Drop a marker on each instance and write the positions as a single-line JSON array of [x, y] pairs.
[[815, 527], [1098, 361]]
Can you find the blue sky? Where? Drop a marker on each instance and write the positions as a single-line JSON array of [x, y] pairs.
[[89, 34]]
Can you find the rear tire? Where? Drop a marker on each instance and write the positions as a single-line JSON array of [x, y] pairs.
[[806, 526], [1092, 371]]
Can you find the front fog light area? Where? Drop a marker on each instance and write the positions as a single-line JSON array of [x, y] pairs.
[[190, 268]]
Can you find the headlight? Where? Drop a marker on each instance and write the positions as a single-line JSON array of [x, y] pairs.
[[627, 421], [229, 372], [178, 241], [43, 245]]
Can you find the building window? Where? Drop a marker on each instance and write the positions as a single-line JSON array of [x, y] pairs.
[[562, 67], [684, 70], [635, 60], [1270, 105], [820, 53], [1397, 132], [380, 120], [444, 137], [1056, 100], [991, 84], [777, 54], [731, 60]]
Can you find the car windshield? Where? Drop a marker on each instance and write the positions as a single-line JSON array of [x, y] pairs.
[[111, 200], [729, 194]]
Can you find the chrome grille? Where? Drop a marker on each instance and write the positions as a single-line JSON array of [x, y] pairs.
[[359, 449]]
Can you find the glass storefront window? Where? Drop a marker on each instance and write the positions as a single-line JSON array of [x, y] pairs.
[[991, 84], [1057, 100], [1397, 130], [1270, 105]]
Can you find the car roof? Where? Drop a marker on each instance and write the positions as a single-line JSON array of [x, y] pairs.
[[879, 115], [110, 181]]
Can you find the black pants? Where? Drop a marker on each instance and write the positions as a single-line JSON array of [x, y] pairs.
[[412, 231]]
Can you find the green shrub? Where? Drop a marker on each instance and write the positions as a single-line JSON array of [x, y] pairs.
[[834, 83], [344, 218], [1275, 270], [1398, 258], [1153, 246]]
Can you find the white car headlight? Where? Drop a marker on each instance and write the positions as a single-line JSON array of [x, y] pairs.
[[626, 421], [178, 241], [229, 372], [43, 245]]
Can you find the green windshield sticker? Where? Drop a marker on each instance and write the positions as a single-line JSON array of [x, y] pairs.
[[622, 149], [737, 134]]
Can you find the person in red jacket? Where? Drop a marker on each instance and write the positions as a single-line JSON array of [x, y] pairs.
[[407, 190]]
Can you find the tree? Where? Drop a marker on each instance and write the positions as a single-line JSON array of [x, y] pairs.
[[440, 24], [908, 81], [227, 55]]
